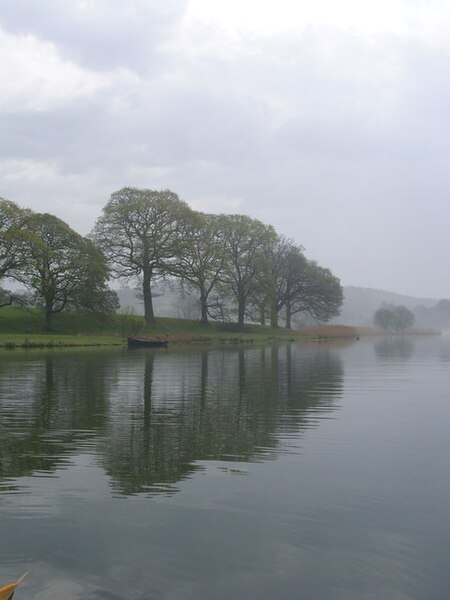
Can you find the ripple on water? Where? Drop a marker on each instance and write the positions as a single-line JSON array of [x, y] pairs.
[[240, 472]]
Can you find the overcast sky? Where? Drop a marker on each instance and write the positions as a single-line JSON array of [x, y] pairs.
[[329, 120]]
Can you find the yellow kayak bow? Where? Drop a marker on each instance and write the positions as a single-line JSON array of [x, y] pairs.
[[7, 592]]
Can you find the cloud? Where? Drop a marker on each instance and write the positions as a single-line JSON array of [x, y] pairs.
[[37, 77], [99, 34], [317, 130]]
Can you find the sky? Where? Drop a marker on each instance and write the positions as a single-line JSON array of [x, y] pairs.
[[329, 120]]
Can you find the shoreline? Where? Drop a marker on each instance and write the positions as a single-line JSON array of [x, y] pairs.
[[255, 334]]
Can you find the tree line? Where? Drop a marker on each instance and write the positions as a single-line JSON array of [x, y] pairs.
[[236, 265]]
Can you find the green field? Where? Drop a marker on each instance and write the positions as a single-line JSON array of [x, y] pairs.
[[24, 328]]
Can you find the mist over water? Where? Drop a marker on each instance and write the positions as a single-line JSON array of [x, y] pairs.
[[311, 471]]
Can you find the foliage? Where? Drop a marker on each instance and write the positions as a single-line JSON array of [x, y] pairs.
[[226, 260], [320, 294], [62, 268], [140, 232], [292, 283], [243, 240], [383, 318], [394, 319], [201, 261], [273, 290], [12, 233]]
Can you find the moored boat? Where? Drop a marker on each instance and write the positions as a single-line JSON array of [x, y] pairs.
[[142, 342]]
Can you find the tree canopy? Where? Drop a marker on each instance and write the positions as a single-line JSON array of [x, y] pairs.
[[394, 319], [62, 269], [243, 240], [13, 235], [235, 264], [320, 294], [292, 284], [141, 232], [201, 260]]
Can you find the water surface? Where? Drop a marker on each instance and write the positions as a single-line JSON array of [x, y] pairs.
[[288, 471]]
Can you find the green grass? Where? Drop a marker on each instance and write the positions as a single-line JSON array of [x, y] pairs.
[[18, 320], [50, 340], [24, 328]]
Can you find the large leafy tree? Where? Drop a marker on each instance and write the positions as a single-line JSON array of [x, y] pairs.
[[318, 293], [293, 284], [140, 233], [13, 234], [62, 268], [201, 260], [243, 240], [403, 318], [281, 275]]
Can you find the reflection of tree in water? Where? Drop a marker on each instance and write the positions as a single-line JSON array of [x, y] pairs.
[[212, 405], [394, 347], [49, 402], [150, 416]]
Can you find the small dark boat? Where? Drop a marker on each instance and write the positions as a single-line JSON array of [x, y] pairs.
[[142, 342]]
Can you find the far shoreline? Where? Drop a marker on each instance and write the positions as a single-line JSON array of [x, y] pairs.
[[197, 334]]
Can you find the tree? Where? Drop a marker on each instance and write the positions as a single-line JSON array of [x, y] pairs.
[[383, 318], [92, 293], [63, 269], [296, 290], [201, 261], [280, 272], [403, 318], [395, 319], [13, 234], [289, 282], [140, 232], [318, 293], [243, 240]]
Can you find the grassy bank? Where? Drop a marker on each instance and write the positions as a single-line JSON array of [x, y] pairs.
[[331, 332], [20, 340], [24, 328]]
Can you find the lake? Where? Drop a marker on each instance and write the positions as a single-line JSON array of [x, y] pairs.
[[303, 471]]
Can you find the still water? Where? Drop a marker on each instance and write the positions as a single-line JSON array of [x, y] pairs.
[[288, 471]]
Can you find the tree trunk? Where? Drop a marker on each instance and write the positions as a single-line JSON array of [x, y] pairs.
[[262, 318], [288, 315], [273, 317], [148, 300], [48, 315], [204, 308], [241, 311]]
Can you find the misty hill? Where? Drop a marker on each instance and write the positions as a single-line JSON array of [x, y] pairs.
[[358, 309], [361, 303], [436, 317]]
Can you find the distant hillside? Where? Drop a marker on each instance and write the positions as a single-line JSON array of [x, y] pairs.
[[361, 303], [436, 317]]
